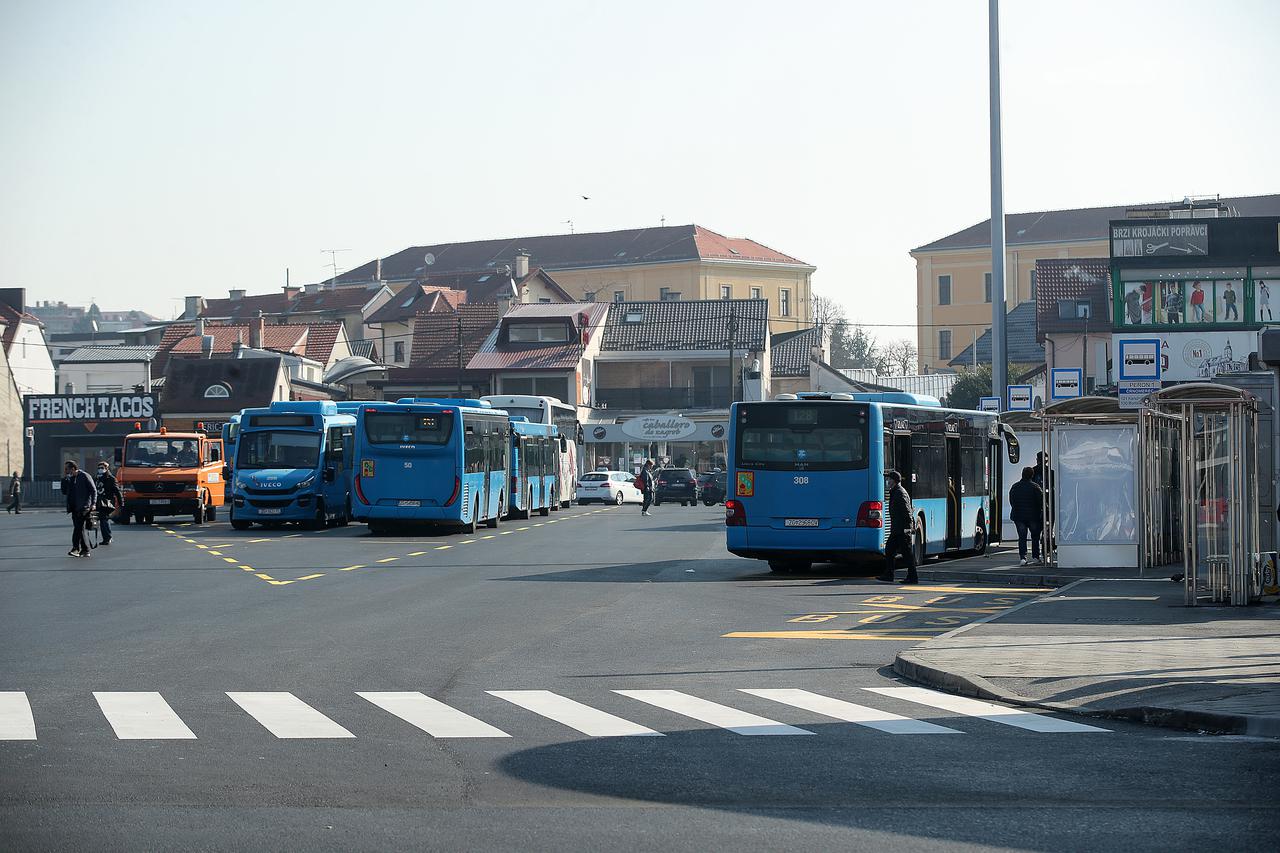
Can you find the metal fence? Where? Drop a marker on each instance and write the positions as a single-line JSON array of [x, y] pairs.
[[39, 493]]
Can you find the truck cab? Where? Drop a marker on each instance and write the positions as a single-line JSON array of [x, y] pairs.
[[170, 473]]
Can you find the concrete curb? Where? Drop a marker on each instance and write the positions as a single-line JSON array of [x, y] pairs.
[[911, 667]]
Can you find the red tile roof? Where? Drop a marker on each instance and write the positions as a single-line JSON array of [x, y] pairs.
[[417, 299], [339, 300], [311, 340], [12, 318], [435, 336], [496, 354], [713, 246]]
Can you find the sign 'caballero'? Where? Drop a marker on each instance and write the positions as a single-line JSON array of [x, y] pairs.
[[69, 408], [659, 427]]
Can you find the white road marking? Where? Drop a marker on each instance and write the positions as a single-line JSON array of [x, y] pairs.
[[16, 722], [575, 715], [983, 710], [287, 716], [710, 712], [432, 716], [142, 715], [851, 713]]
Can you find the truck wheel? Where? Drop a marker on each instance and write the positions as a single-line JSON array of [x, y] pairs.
[[197, 515], [210, 513]]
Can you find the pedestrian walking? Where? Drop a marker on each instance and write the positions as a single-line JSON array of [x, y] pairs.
[[15, 494], [82, 496], [645, 482], [1026, 509], [902, 523], [109, 499]]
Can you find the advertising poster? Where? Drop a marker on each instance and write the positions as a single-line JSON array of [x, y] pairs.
[[1170, 308], [1137, 303], [1187, 356], [1200, 302], [1262, 299], [1230, 300]]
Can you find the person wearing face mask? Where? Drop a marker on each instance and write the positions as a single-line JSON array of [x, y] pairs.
[[109, 499]]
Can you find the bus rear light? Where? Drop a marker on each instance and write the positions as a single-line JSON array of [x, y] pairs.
[[735, 514], [871, 514], [457, 487]]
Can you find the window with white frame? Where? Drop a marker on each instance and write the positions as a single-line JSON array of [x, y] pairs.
[[784, 302]]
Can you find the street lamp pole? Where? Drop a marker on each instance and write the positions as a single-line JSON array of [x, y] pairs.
[[999, 346]]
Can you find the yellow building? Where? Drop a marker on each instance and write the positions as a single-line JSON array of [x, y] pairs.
[[677, 262], [953, 291]]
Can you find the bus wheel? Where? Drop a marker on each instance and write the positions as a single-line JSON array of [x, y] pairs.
[[545, 509], [917, 545], [980, 538], [470, 526], [789, 566], [238, 523], [554, 503], [345, 518], [318, 521], [492, 523]]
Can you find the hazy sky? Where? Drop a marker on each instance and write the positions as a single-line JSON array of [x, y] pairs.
[[156, 149]]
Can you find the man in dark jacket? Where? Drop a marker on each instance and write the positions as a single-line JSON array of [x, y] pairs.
[[1026, 509], [901, 523], [109, 499], [15, 494], [82, 495]]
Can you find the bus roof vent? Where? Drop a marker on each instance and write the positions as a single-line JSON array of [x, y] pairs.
[[840, 396], [785, 397]]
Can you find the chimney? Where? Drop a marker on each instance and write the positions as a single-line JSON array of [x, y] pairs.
[[377, 270], [192, 308], [522, 264], [206, 346], [256, 328], [310, 288], [290, 291], [236, 295], [199, 332], [15, 298]]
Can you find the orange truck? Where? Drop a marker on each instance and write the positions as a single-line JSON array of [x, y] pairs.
[[170, 473]]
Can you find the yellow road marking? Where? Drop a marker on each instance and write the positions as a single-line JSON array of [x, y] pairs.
[[388, 559], [522, 528], [248, 568], [1001, 589], [466, 541], [217, 553], [826, 635], [310, 577], [223, 545], [259, 540], [443, 547], [231, 559], [352, 568], [491, 536], [506, 533], [279, 583], [417, 553], [265, 576], [204, 547]]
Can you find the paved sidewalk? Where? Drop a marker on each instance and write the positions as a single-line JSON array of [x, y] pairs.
[[1000, 565], [1119, 648]]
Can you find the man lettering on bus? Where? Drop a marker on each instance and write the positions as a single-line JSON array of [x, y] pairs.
[[902, 522]]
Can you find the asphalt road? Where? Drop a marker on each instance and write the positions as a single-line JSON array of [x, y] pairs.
[[572, 682]]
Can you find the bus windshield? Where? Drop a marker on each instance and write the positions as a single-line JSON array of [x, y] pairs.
[[274, 448], [817, 437], [408, 427], [534, 414], [161, 453]]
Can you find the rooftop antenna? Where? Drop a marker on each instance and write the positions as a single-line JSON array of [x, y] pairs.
[[663, 220], [568, 222], [333, 260]]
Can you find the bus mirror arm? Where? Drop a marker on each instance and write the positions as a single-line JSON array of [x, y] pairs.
[[328, 474], [1011, 444], [226, 473]]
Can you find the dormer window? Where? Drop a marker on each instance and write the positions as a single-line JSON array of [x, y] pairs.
[[538, 333]]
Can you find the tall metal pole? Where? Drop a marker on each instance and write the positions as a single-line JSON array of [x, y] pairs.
[[999, 347], [733, 329], [460, 394]]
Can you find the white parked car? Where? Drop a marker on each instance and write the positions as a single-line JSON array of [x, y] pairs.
[[615, 487]]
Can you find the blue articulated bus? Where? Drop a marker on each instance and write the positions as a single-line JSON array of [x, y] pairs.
[[535, 462], [230, 432], [434, 461], [293, 463], [807, 476]]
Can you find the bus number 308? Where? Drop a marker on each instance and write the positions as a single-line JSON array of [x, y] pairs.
[[800, 481]]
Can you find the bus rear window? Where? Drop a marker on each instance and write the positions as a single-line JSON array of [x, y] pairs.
[[815, 437], [408, 427]]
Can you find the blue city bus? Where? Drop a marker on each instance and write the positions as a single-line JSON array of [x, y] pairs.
[[807, 476], [293, 463], [433, 461], [535, 454]]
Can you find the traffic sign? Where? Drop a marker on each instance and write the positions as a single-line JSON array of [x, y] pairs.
[[989, 404], [1066, 383], [1020, 398]]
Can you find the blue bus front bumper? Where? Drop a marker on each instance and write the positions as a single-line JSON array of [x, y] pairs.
[[296, 508], [763, 542]]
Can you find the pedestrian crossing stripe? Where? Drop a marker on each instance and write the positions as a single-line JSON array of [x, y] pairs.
[[147, 715]]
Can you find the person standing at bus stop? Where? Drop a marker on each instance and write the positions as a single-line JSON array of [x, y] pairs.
[[15, 494], [902, 523], [1026, 509]]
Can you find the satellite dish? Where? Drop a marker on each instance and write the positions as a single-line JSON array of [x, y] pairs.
[[429, 259]]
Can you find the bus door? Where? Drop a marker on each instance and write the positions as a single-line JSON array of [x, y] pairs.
[[995, 481], [902, 457], [954, 486]]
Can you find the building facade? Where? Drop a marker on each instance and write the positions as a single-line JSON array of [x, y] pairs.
[[953, 274]]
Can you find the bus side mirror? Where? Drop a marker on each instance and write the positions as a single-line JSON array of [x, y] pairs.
[[328, 475], [226, 473], [1011, 446], [119, 457]]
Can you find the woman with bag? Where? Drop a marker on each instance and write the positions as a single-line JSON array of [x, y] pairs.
[[109, 499]]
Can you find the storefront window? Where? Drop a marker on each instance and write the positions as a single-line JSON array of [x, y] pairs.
[[1185, 297]]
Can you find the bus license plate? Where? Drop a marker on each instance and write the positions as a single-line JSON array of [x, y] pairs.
[[800, 522], [275, 511], [409, 503], [158, 501]]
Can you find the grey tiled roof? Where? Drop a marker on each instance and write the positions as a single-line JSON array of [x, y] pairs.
[[1020, 329], [1086, 223], [98, 355], [694, 325], [790, 352]]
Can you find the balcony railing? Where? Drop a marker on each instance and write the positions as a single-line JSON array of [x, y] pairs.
[[661, 399]]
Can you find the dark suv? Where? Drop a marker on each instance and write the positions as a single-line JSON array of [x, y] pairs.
[[712, 487], [676, 484]]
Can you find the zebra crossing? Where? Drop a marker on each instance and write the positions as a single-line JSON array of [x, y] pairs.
[[147, 715]]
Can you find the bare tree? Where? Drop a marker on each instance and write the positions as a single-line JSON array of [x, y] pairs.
[[901, 355], [827, 312]]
